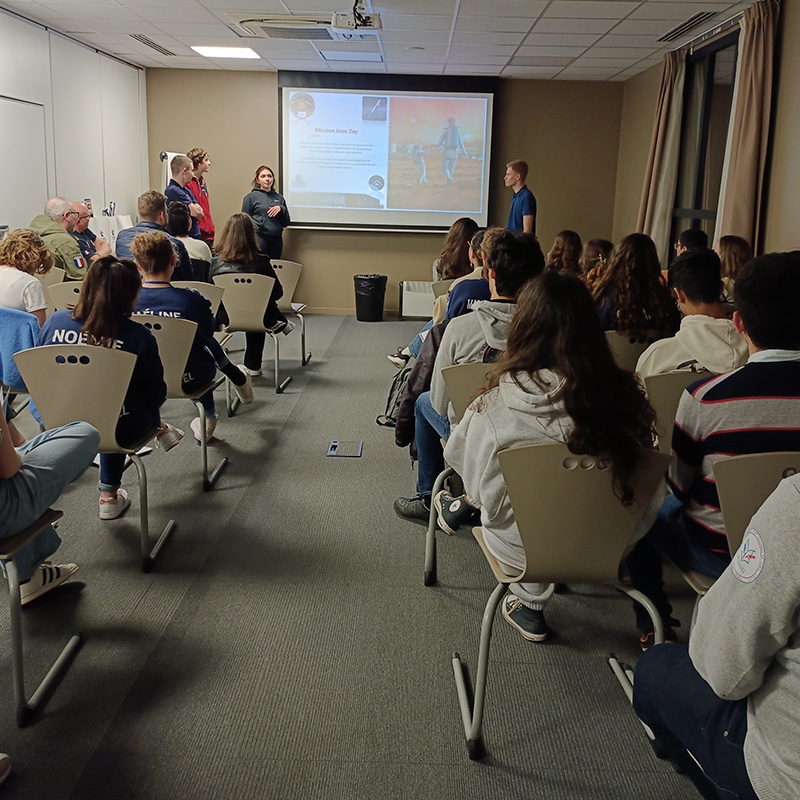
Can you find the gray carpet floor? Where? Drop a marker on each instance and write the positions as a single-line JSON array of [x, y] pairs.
[[284, 645]]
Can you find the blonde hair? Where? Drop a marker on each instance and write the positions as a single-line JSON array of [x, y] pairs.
[[153, 251], [25, 250]]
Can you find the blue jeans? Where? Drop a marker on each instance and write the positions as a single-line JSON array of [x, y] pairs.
[[50, 461], [415, 346], [669, 536], [685, 714], [429, 428]]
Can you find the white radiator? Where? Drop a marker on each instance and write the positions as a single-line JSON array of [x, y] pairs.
[[416, 299]]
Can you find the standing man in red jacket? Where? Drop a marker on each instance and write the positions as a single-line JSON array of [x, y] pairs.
[[201, 163]]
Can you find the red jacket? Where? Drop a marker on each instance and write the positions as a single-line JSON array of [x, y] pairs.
[[206, 224]]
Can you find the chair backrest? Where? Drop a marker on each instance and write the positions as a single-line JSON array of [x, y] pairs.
[[210, 291], [174, 337], [664, 393], [573, 527], [744, 483], [19, 330], [78, 382], [288, 273], [52, 276], [463, 382], [63, 295], [246, 298], [626, 347], [441, 287], [201, 268]]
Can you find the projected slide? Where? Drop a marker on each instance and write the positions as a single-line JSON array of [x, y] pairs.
[[372, 158]]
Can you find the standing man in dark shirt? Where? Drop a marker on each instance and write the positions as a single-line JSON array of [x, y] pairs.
[[522, 216], [176, 191]]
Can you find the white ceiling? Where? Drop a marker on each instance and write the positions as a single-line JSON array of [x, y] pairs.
[[543, 39]]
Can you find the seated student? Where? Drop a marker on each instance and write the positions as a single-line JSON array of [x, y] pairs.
[[630, 296], [179, 223], [512, 259], [556, 381], [730, 699], [156, 261], [31, 480], [754, 409], [102, 318], [565, 253], [734, 252], [706, 339], [23, 255], [594, 259], [691, 237], [237, 251]]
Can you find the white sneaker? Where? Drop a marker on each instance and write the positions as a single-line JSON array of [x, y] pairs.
[[288, 328], [47, 577], [245, 391], [5, 766], [168, 437], [252, 372], [112, 507], [211, 426]]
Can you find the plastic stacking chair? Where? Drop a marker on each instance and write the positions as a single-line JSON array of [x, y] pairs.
[[664, 393], [564, 542], [246, 298], [210, 291], [51, 277], [744, 483], [440, 288], [9, 548], [288, 273], [462, 382], [89, 383], [627, 347], [175, 337], [63, 295]]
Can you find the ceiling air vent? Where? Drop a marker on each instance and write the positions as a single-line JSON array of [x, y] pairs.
[[283, 26], [679, 31], [150, 43]]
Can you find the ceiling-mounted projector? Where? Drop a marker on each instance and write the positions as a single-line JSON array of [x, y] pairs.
[[362, 23]]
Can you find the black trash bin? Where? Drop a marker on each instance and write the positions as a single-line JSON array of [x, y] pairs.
[[370, 291]]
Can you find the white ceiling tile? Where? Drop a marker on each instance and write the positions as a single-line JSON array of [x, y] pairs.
[[643, 27], [615, 40], [416, 22], [419, 69], [583, 75], [299, 64], [561, 40], [675, 12], [172, 13], [530, 72], [189, 30], [551, 51], [477, 37], [604, 63], [497, 61], [589, 9], [488, 49], [310, 6], [416, 37], [446, 7], [493, 24], [541, 61], [629, 53], [553, 25], [502, 8]]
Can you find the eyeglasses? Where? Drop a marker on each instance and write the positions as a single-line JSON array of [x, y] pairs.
[[84, 216]]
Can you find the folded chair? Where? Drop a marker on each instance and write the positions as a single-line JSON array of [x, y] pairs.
[[246, 298], [462, 382], [210, 291], [288, 273], [664, 393], [9, 548], [627, 347], [573, 528], [175, 337], [84, 382]]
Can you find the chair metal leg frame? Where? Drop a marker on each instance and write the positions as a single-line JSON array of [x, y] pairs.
[[430, 578], [305, 355], [279, 387], [148, 556], [208, 482], [27, 708], [472, 702]]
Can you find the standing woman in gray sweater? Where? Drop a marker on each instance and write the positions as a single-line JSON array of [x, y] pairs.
[[268, 209]]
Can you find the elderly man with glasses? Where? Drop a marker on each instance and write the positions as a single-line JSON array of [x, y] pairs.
[[55, 226], [92, 247]]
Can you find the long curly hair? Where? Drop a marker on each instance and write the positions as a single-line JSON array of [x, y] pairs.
[[25, 250], [555, 328], [734, 253], [565, 252], [594, 259], [453, 261], [632, 283]]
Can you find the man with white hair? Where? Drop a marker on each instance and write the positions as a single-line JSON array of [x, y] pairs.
[[55, 226], [92, 247]]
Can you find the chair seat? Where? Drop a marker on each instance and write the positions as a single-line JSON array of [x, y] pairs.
[[11, 545]]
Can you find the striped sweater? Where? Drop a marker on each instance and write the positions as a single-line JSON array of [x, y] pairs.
[[754, 409]]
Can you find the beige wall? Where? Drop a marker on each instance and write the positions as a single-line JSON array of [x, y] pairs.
[[568, 132], [782, 229], [636, 128]]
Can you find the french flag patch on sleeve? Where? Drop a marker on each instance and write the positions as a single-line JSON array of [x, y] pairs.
[[79, 262]]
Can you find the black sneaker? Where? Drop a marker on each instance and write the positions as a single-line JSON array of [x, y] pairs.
[[530, 623], [415, 509], [453, 512], [647, 640]]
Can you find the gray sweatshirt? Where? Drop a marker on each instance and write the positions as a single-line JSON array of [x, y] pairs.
[[466, 339], [746, 642]]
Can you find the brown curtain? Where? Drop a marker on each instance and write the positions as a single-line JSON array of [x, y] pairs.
[[658, 192], [743, 182]]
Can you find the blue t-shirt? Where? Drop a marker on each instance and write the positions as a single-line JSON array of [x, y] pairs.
[[171, 301], [180, 194], [464, 294], [183, 270], [523, 204]]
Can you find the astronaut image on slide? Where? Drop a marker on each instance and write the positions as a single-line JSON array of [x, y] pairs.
[[415, 132]]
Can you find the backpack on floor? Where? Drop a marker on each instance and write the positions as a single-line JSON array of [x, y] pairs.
[[389, 417]]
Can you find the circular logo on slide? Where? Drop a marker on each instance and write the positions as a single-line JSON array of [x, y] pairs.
[[377, 183], [301, 105]]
